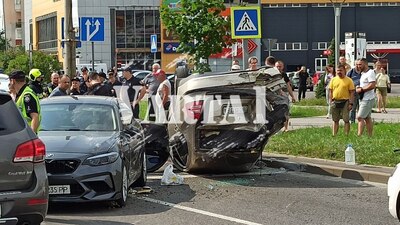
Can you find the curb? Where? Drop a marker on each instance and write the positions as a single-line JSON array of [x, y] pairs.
[[329, 168]]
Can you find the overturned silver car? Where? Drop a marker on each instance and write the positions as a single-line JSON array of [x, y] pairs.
[[221, 122]]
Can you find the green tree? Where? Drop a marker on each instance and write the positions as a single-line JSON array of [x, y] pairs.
[[18, 59], [4, 43], [201, 29], [331, 48]]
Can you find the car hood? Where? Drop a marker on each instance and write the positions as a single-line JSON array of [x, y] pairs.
[[78, 141]]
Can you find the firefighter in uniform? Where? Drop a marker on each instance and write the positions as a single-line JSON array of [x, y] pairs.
[[35, 82], [26, 100]]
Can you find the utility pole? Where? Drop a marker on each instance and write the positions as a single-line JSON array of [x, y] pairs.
[[69, 42]]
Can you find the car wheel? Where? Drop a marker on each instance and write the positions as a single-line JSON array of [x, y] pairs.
[[141, 181], [179, 154], [124, 188]]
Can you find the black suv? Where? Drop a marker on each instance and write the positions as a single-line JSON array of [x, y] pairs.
[[23, 178]]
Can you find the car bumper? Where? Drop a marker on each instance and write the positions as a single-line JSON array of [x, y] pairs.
[[89, 183], [393, 191], [26, 205]]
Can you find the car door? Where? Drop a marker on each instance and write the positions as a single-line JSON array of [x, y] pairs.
[[135, 142], [17, 148]]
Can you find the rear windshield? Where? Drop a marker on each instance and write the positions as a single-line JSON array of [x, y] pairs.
[[78, 117], [11, 120]]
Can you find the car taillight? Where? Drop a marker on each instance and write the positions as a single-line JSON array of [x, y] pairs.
[[194, 109], [37, 201], [30, 151]]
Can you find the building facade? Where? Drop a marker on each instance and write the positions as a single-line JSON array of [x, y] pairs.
[[12, 21], [127, 27], [304, 29]]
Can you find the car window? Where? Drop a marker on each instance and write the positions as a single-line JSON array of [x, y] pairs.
[[11, 120], [4, 81], [78, 117]]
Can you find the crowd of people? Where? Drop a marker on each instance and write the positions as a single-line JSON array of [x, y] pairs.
[[27, 90]]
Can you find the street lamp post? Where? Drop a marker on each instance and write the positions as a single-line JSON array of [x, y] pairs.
[[337, 8]]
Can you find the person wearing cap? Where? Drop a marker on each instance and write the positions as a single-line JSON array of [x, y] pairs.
[[150, 86], [63, 86], [131, 82], [75, 89], [53, 84], [96, 86], [112, 81], [84, 80], [35, 82], [26, 100]]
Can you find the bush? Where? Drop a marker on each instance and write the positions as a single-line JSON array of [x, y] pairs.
[[320, 90]]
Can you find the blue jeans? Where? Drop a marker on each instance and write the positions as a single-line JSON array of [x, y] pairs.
[[356, 104]]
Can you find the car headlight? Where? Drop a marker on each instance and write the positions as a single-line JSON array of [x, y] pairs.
[[102, 159]]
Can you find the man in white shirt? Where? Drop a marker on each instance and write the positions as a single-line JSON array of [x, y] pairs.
[[367, 97]]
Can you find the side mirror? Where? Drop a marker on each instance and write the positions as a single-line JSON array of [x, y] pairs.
[[126, 113]]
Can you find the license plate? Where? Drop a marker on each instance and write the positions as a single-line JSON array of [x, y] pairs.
[[234, 110], [59, 189]]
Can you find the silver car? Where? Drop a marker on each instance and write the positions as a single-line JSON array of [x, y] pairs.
[[95, 150], [23, 178]]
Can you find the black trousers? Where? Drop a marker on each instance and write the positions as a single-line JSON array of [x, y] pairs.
[[302, 92]]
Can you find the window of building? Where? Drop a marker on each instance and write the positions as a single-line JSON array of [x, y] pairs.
[[47, 32], [133, 28]]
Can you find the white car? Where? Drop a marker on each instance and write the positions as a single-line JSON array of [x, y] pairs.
[[4, 81], [394, 191]]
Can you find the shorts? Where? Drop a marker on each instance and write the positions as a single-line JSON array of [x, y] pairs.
[[365, 108], [340, 113], [382, 91]]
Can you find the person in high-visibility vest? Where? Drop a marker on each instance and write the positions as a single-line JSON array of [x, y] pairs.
[[26, 99], [35, 82]]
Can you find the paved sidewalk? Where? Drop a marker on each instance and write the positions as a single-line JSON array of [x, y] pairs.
[[328, 167], [393, 116]]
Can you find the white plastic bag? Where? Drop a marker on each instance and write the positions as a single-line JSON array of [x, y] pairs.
[[170, 178]]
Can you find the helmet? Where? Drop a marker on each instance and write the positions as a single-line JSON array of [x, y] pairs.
[[34, 74]]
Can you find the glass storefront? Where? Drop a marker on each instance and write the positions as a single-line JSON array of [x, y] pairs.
[[133, 28]]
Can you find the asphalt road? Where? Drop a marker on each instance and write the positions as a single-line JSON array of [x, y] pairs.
[[274, 197]]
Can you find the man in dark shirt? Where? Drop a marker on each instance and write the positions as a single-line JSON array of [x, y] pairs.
[[112, 81], [75, 89], [303, 76], [84, 80], [96, 87], [355, 75], [26, 100], [131, 82], [53, 84]]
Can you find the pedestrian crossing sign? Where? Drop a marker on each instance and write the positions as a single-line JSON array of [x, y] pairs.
[[245, 22]]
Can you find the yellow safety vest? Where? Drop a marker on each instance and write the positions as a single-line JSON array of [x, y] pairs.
[[21, 105]]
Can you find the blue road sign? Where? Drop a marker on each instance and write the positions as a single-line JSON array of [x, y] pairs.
[[92, 29], [246, 22], [77, 37], [153, 41]]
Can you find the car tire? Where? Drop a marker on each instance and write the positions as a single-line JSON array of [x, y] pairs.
[[179, 153], [142, 180], [121, 202]]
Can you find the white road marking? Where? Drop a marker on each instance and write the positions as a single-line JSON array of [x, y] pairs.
[[172, 205]]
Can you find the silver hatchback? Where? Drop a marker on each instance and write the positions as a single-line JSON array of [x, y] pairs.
[[23, 178]]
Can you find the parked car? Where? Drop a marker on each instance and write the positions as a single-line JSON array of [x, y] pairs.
[[95, 150], [4, 81], [231, 144], [23, 179], [141, 74], [394, 77], [294, 79], [393, 190]]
